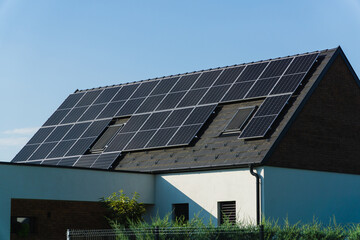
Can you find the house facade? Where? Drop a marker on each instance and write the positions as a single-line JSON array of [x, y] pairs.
[[275, 138]]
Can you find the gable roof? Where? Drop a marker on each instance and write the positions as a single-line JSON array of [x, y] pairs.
[[163, 116]]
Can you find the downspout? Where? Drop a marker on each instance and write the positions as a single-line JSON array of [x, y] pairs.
[[258, 220]]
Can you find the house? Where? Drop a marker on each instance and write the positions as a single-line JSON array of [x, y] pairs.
[[275, 138]]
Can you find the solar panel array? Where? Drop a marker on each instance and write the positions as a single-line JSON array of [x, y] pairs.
[[163, 112]]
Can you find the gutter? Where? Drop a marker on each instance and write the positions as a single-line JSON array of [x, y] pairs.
[[258, 215]]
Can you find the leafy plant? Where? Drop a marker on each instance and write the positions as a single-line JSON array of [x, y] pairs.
[[123, 210]]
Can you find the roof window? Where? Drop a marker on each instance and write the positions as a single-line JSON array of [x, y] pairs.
[[240, 119]]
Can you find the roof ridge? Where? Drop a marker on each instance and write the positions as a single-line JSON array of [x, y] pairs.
[[200, 71]]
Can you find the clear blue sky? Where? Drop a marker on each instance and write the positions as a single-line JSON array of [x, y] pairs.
[[48, 49]]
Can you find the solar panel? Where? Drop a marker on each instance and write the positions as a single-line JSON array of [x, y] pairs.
[[163, 112], [161, 137], [68, 161], [150, 103], [86, 160], [56, 117], [74, 115], [192, 97], [110, 110], [125, 92], [107, 95], [58, 133], [61, 149], [71, 100], [265, 116], [258, 127], [88, 98], [262, 87], [40, 135], [214, 94], [92, 112], [144, 89], [185, 82], [105, 161], [229, 75], [164, 86], [140, 140], [43, 150], [184, 135]]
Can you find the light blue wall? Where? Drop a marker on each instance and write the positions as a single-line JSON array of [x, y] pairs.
[[302, 194], [38, 182]]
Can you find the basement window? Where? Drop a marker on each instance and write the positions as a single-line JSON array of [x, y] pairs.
[[23, 226], [181, 212], [107, 136], [227, 212], [239, 120]]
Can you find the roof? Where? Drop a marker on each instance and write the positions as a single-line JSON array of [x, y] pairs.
[[175, 122]]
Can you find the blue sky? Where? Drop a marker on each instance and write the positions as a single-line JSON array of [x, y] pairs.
[[48, 49]]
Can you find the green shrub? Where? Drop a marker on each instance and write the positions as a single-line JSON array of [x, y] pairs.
[[123, 210]]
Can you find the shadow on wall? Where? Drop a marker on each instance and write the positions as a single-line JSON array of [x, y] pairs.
[[166, 195]]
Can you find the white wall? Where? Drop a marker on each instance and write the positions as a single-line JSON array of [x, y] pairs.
[[51, 183], [303, 194], [203, 190]]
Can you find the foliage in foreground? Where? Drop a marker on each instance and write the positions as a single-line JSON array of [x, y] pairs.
[[122, 209], [196, 229]]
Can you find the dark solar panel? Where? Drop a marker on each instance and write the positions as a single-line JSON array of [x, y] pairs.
[[61, 149], [43, 151], [51, 162], [92, 112], [150, 103], [105, 161], [119, 142], [252, 72], [273, 105], [86, 160], [144, 89], [88, 98], [238, 91], [177, 117], [40, 135], [262, 88], [96, 128], [302, 63], [258, 127], [276, 68], [214, 94], [171, 100], [25, 153], [56, 117], [107, 95], [206, 79], [81, 146], [192, 97], [76, 131], [71, 100], [68, 161], [140, 140], [155, 120], [130, 107], [74, 115], [200, 114], [162, 137], [111, 109], [185, 82], [135, 123], [229, 75], [58, 133], [184, 135], [125, 92], [288, 83], [164, 86]]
